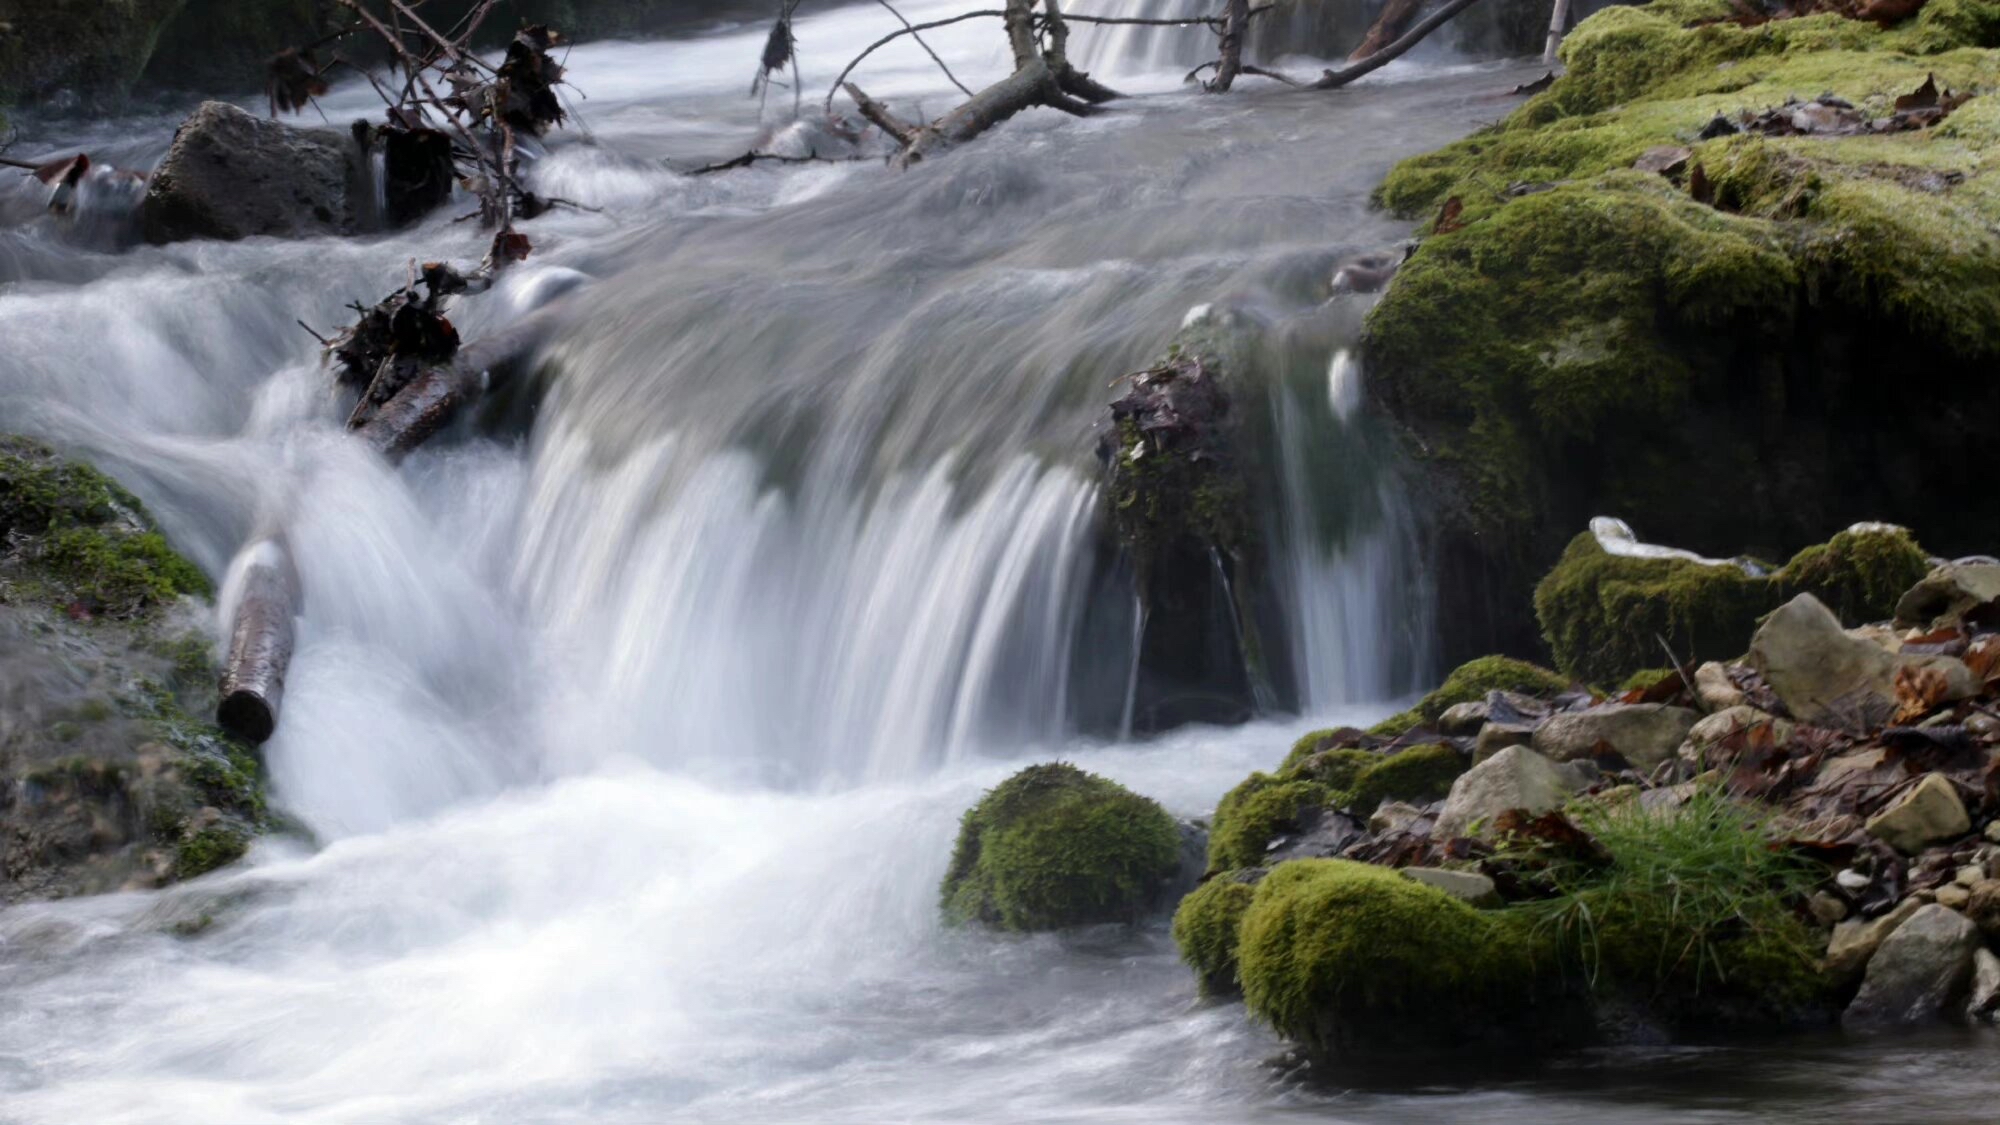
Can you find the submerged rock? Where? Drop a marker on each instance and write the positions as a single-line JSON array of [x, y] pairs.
[[1921, 972], [1054, 847], [232, 175]]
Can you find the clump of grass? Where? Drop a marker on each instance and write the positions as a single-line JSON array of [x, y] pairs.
[[1693, 912]]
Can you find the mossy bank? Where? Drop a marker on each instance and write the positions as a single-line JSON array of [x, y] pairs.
[[109, 775], [1778, 337]]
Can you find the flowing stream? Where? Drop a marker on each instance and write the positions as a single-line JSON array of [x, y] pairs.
[[632, 748]]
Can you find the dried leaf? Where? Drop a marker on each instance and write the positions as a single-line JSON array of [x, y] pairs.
[[1699, 187], [511, 246], [1923, 97], [1920, 689], [1887, 13], [1537, 86], [292, 80], [1448, 219]]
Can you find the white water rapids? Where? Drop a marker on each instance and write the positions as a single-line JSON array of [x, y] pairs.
[[633, 750]]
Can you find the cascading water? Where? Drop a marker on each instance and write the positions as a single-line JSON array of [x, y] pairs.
[[632, 751]]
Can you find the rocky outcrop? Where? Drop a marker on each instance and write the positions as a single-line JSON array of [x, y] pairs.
[[231, 175], [1588, 338], [108, 777]]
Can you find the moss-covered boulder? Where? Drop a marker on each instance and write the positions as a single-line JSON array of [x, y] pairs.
[[1344, 958], [1419, 774], [1590, 338], [1257, 811], [1603, 616], [108, 776], [1054, 847], [1206, 926], [1469, 683]]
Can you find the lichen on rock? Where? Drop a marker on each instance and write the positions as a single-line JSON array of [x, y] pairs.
[[1054, 847]]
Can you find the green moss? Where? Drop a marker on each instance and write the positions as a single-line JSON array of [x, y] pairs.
[[1337, 956], [212, 847], [1420, 774], [1335, 769], [1603, 616], [1053, 847], [1206, 927], [1471, 682], [1256, 812], [84, 538], [1860, 575]]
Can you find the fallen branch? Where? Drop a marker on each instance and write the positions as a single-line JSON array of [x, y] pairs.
[[1393, 21], [1334, 79], [260, 641], [753, 157], [891, 9], [840, 82], [433, 399]]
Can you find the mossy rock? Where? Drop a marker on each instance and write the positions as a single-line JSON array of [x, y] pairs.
[[1603, 616], [1419, 774], [1471, 682], [1595, 339], [1257, 811], [83, 539], [1054, 847], [1206, 927], [1345, 958], [1337, 769]]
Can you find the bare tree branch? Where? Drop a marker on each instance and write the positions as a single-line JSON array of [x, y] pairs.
[[963, 88], [1334, 79], [840, 82]]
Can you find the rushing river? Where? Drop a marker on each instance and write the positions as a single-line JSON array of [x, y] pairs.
[[633, 748]]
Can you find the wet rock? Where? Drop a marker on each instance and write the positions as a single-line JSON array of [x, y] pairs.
[[1951, 895], [1931, 811], [1921, 971], [1948, 594], [1983, 1002], [1644, 734], [1463, 720], [233, 175], [1514, 778], [1714, 689], [1856, 940], [1322, 834], [1465, 886], [1823, 675]]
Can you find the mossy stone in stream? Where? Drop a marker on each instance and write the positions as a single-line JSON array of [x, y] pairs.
[[1054, 847], [83, 538], [1254, 813], [1419, 774], [1342, 957], [1206, 927]]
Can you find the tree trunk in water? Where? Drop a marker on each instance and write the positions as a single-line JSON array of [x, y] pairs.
[[434, 398], [1235, 23], [260, 642], [1334, 79], [1388, 26], [1558, 22]]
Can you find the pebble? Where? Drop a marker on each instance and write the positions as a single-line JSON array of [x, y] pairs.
[[1953, 895]]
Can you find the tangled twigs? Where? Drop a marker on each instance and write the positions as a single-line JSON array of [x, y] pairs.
[[780, 48]]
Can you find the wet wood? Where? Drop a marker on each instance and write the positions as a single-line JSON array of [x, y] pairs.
[[1334, 79], [260, 641], [434, 398], [1394, 20]]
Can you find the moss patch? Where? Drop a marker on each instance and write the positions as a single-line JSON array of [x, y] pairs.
[[1053, 847], [1339, 956], [1256, 812], [1420, 774], [1206, 927], [1470, 683]]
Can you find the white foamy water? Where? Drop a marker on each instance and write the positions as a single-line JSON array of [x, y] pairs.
[[633, 742]]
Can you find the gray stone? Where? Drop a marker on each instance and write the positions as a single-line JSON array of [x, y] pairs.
[[1394, 816], [1948, 593], [1466, 886], [1644, 734], [1704, 735], [1929, 812], [1463, 720], [1856, 940], [1714, 689], [1824, 676], [1514, 778], [1495, 737], [231, 174], [1983, 907], [1920, 972], [1984, 1001]]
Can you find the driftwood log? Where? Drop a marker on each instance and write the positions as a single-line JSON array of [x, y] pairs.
[[1395, 18], [260, 641], [434, 398]]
